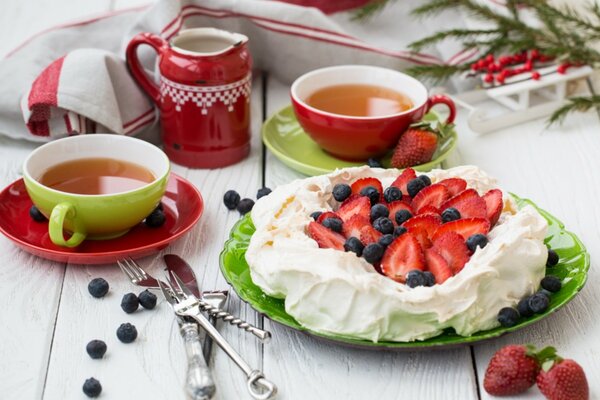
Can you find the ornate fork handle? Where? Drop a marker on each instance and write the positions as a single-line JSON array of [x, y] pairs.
[[217, 313]]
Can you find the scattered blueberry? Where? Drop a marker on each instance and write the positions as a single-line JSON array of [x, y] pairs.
[[262, 192], [96, 349], [551, 283], [539, 302], [335, 224], [425, 179], [399, 230], [354, 245], [316, 215], [508, 317], [552, 258], [371, 193], [415, 278], [386, 240], [477, 240], [384, 225], [450, 214], [127, 333], [402, 216], [156, 219], [245, 205], [147, 299], [374, 163], [523, 307], [130, 303], [429, 278], [92, 388], [36, 214], [379, 210], [341, 191], [392, 194], [98, 287], [415, 186], [373, 252], [231, 198]]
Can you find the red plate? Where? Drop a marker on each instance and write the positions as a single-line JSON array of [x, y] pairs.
[[182, 204]]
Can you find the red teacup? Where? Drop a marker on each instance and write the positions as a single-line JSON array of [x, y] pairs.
[[358, 138]]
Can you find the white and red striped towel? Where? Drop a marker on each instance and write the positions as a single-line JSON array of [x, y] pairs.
[[73, 79]]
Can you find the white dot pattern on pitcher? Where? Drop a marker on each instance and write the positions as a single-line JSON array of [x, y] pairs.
[[206, 96]]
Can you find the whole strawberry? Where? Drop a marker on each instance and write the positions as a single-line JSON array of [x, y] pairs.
[[418, 144], [563, 380], [513, 369]]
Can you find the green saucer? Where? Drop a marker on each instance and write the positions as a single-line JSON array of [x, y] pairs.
[[284, 136], [572, 270]]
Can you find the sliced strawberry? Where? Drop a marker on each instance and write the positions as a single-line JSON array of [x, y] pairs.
[[369, 235], [421, 236], [423, 227], [494, 203], [406, 176], [354, 205], [432, 195], [362, 183], [353, 226], [468, 203], [326, 238], [403, 255], [429, 210], [438, 266], [451, 246], [454, 185], [464, 227], [327, 214]]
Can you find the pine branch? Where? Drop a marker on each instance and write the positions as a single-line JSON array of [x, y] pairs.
[[437, 73], [370, 9], [465, 34], [580, 104]]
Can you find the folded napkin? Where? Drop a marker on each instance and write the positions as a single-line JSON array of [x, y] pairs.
[[73, 79]]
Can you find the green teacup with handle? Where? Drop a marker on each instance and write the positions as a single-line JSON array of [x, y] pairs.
[[84, 185]]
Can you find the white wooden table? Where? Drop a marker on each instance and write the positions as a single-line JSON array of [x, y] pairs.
[[47, 316]]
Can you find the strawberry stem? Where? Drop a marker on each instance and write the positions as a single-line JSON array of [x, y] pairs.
[[545, 357]]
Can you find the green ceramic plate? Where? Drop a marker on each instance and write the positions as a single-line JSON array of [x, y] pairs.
[[283, 135], [572, 269]]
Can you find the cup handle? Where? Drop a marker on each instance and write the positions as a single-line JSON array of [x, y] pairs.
[[56, 223], [441, 99], [158, 44]]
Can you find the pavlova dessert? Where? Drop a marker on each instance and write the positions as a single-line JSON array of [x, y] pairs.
[[381, 255]]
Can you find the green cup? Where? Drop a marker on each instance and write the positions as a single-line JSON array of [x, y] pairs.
[[96, 217]]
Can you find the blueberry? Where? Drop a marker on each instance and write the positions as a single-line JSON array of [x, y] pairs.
[[508, 317], [98, 287], [156, 219], [127, 333], [415, 186], [335, 224], [316, 215], [551, 283], [245, 206], [354, 245], [450, 214], [96, 349], [402, 216], [523, 307], [539, 302], [36, 214], [386, 240], [262, 192], [392, 194], [425, 179], [147, 299], [415, 278], [341, 191], [384, 225], [371, 193], [92, 388], [399, 230], [130, 303], [379, 210], [477, 240], [429, 278], [552, 258], [373, 252], [374, 163], [231, 199]]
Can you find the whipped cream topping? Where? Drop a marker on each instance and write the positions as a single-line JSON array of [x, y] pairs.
[[336, 292]]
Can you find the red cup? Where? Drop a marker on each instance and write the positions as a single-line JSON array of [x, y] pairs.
[[359, 138]]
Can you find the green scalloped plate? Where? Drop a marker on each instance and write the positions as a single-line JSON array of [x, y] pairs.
[[572, 270], [283, 135]]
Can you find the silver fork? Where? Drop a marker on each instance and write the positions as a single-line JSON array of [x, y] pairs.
[[186, 304]]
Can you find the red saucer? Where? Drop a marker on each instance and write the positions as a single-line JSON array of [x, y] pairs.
[[182, 204]]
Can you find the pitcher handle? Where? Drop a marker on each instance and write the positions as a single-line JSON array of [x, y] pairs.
[[158, 44]]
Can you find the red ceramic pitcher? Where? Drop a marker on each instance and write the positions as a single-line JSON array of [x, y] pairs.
[[203, 94]]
